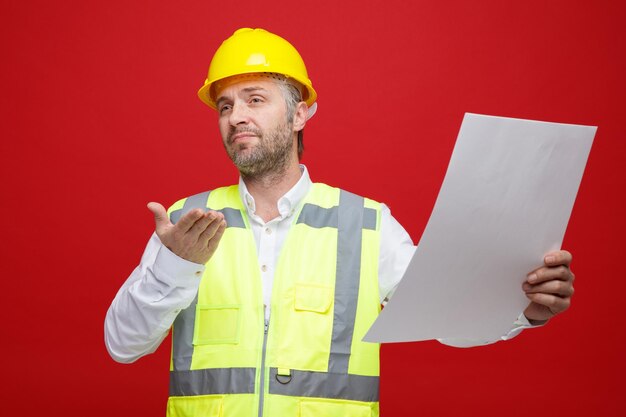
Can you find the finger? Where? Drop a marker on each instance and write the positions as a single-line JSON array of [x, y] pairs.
[[200, 225], [208, 233], [215, 240], [187, 221], [554, 287], [161, 220], [554, 303], [561, 257], [544, 274]]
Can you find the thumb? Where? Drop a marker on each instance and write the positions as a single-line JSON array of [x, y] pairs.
[[160, 215]]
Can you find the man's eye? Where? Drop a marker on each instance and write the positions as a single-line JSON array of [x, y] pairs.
[[225, 108], [256, 100]]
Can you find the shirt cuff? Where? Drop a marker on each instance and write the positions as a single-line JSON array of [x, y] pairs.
[[518, 325], [522, 321], [175, 270]]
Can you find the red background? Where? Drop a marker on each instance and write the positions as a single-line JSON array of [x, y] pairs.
[[100, 116]]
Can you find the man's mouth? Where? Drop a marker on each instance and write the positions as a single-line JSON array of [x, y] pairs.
[[241, 136]]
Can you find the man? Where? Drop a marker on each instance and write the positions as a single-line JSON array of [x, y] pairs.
[[270, 285]]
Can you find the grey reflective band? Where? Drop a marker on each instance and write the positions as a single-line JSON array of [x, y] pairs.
[[182, 335], [233, 216], [212, 381], [347, 280], [318, 217], [326, 385], [193, 202], [370, 218]]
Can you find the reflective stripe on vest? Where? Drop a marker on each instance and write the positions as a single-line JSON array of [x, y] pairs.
[[316, 216], [349, 225], [350, 217], [212, 381], [326, 385], [233, 217], [302, 384]]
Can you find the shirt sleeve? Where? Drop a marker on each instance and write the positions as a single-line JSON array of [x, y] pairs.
[[146, 305], [396, 251]]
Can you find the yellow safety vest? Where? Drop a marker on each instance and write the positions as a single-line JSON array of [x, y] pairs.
[[309, 361]]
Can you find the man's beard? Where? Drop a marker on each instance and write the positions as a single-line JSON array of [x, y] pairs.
[[269, 156]]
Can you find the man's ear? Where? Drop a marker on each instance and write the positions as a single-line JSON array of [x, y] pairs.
[[299, 118]]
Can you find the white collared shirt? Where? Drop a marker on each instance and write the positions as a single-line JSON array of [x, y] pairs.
[[163, 284], [396, 247]]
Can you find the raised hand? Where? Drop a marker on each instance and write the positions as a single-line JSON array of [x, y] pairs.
[[194, 237]]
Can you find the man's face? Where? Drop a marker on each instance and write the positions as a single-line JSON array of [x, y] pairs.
[[254, 126]]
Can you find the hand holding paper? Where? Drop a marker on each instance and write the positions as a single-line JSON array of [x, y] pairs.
[[504, 203], [549, 288]]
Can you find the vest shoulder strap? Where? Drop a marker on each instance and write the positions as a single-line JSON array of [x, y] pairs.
[[232, 215], [321, 207], [324, 204]]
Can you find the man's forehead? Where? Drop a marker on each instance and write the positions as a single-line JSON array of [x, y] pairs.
[[250, 82]]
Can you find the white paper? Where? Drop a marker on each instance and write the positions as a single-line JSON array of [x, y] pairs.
[[504, 203]]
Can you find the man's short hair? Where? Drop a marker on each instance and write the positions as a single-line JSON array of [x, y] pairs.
[[293, 96]]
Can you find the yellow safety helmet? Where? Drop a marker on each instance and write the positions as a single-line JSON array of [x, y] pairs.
[[256, 51]]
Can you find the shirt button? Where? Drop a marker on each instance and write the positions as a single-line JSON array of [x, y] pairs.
[[268, 230], [264, 268], [198, 273]]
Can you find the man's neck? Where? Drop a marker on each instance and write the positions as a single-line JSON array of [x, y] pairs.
[[269, 188]]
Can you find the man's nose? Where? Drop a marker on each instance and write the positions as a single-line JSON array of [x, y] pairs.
[[239, 114]]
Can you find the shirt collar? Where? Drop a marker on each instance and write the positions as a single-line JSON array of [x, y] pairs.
[[288, 203]]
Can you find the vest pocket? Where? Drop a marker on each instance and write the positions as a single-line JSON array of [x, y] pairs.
[[312, 297], [217, 324], [194, 406], [333, 408], [304, 328]]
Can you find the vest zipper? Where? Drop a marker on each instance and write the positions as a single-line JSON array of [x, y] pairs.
[[262, 385]]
